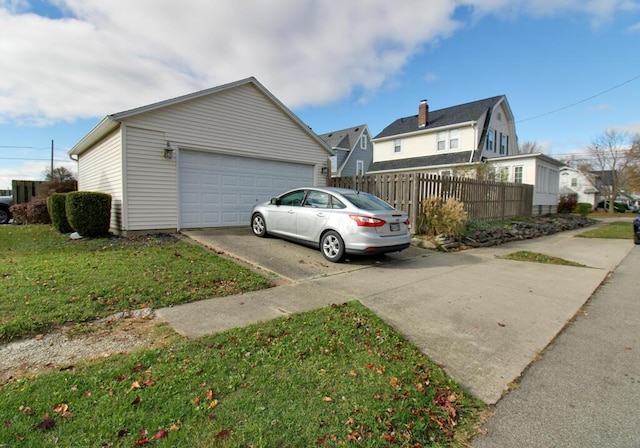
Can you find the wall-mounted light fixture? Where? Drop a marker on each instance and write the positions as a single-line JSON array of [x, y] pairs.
[[168, 151]]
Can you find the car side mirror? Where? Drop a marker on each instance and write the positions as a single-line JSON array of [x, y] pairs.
[[275, 201]]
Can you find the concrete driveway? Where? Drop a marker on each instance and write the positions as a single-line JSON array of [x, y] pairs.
[[285, 259]]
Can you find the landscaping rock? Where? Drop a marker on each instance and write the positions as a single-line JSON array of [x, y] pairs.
[[521, 230]]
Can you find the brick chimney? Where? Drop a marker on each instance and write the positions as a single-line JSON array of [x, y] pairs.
[[423, 114]]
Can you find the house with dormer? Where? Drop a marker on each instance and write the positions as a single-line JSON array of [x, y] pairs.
[[459, 141], [353, 151], [445, 140]]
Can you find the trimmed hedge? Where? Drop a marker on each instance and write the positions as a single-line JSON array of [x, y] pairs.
[[58, 212], [89, 212]]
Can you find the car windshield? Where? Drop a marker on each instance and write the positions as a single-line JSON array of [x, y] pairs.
[[366, 201]]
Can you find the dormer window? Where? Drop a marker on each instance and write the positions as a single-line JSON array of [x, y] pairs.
[[363, 141]]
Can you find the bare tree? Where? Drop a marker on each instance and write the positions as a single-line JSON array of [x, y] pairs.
[[529, 148], [614, 158]]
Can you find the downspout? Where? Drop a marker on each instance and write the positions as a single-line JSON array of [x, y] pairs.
[[475, 140]]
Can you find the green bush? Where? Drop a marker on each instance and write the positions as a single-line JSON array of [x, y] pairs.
[[89, 212], [58, 212], [583, 208], [442, 217]]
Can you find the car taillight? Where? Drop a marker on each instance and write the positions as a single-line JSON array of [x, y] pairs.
[[408, 222], [367, 221]]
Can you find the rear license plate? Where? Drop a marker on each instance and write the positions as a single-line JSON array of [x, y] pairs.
[[394, 226]]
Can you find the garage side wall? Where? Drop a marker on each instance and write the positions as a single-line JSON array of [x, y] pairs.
[[99, 169], [151, 182]]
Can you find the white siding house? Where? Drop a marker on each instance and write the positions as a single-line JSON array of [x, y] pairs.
[[200, 160], [581, 185], [539, 170]]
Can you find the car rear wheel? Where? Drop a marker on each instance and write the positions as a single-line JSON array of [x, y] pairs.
[[258, 225], [332, 246]]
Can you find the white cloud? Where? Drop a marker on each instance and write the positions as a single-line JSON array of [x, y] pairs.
[[29, 170], [104, 57]]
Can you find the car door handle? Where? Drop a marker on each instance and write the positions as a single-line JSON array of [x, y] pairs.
[[320, 214], [291, 212]]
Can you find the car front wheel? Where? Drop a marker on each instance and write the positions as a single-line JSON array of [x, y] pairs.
[[332, 246], [258, 225], [4, 216]]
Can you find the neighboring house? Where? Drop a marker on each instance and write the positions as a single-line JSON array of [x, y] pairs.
[[353, 151], [456, 140], [442, 140], [199, 160], [579, 184], [539, 170]]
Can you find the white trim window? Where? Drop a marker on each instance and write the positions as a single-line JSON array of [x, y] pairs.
[[503, 143], [397, 145], [363, 141], [491, 140], [448, 140], [517, 174], [359, 167]]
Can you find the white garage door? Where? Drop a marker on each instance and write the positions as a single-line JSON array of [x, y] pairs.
[[218, 190]]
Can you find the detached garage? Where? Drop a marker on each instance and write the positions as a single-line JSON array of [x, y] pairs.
[[200, 160]]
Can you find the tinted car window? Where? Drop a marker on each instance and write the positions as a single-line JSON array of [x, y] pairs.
[[337, 203], [294, 198], [366, 201]]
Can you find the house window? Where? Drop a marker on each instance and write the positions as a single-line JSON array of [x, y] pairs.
[[448, 140], [503, 144], [504, 174], [454, 139], [397, 145], [517, 174], [359, 168], [491, 144], [574, 182], [445, 173], [363, 141]]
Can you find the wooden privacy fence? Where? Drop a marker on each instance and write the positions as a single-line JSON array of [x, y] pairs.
[[483, 200], [24, 190]]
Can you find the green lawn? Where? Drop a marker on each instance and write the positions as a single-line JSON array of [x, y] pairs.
[[47, 280], [336, 376], [622, 230]]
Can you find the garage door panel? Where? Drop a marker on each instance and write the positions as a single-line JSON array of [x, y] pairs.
[[220, 190]]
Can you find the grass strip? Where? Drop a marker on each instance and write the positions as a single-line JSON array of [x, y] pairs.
[[48, 280], [336, 376], [536, 257]]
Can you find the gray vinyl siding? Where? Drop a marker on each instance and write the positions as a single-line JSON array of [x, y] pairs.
[[152, 185], [100, 169], [239, 121]]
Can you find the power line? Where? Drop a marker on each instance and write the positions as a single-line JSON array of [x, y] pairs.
[[581, 101]]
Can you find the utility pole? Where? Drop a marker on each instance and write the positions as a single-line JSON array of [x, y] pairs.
[[51, 172]]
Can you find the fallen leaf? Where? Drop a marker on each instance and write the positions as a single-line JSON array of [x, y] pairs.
[[39, 337], [196, 401], [136, 400], [60, 408], [394, 383], [161, 434], [501, 324], [213, 404], [209, 395], [135, 385], [327, 399], [46, 424], [223, 435]]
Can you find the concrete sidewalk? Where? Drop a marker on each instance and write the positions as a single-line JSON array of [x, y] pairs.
[[484, 319], [584, 391]]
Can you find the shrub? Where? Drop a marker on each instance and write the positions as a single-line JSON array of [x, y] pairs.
[[19, 213], [89, 212], [442, 217], [583, 208], [567, 203], [58, 212], [37, 212]]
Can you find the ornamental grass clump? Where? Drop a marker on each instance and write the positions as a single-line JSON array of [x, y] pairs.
[[442, 217]]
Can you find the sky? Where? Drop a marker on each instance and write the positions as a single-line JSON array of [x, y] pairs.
[[570, 69]]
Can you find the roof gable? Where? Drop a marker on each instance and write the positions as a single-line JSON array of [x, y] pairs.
[[113, 121], [344, 138], [462, 113]]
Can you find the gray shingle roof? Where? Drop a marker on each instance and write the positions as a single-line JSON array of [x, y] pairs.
[[344, 138], [453, 158], [443, 117]]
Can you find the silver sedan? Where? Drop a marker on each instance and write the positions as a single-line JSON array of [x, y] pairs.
[[338, 221]]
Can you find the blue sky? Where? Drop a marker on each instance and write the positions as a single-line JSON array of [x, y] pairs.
[[569, 68]]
